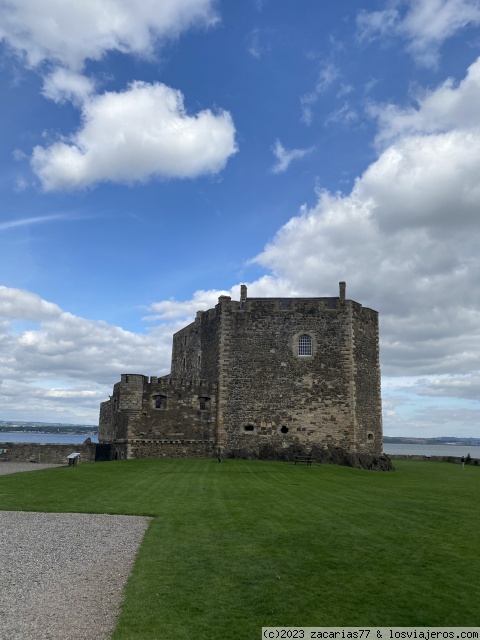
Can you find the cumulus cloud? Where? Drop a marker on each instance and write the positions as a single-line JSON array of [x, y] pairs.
[[404, 238], [450, 106], [64, 85], [134, 135], [16, 303], [76, 348], [285, 157], [174, 309], [67, 34], [54, 362], [425, 24], [130, 136], [185, 310], [454, 386]]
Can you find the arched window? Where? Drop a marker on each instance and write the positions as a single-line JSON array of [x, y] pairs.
[[304, 345]]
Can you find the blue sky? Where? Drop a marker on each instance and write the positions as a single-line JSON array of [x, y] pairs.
[[154, 157]]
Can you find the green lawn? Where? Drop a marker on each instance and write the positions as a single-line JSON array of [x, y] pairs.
[[245, 544]]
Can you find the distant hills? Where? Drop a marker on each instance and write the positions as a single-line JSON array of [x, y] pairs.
[[46, 427], [442, 440]]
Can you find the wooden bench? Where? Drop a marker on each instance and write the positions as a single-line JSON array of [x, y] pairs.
[[307, 459]]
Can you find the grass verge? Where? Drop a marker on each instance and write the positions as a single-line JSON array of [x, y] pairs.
[[245, 544]]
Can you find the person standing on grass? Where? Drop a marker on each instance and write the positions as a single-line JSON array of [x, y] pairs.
[[463, 462]]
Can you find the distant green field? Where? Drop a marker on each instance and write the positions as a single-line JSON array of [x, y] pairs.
[[245, 544]]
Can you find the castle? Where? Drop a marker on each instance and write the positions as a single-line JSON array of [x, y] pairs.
[[258, 378]]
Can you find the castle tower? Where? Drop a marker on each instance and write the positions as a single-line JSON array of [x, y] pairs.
[[257, 377]]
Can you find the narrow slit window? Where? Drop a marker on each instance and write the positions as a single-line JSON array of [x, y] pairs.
[[305, 345]]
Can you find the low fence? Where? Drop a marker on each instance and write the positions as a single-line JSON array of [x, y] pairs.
[[46, 453], [455, 459]]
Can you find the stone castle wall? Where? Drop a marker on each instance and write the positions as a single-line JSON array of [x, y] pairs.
[[287, 398], [195, 352], [163, 415], [47, 453], [367, 382]]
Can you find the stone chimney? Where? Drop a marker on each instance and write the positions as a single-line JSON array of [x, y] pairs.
[[342, 286], [243, 292]]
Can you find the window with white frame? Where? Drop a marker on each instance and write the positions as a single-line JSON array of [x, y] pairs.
[[305, 345]]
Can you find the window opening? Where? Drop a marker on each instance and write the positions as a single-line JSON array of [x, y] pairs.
[[249, 427], [160, 402], [204, 403], [305, 345], [284, 429]]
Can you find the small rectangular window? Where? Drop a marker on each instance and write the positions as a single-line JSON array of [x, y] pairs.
[[305, 345], [204, 403], [160, 402]]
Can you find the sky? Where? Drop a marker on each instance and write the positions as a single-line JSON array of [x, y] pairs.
[[157, 155]]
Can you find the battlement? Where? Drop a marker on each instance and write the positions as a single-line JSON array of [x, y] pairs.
[[133, 379]]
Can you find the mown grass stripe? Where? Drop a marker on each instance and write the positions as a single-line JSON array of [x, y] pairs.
[[245, 544]]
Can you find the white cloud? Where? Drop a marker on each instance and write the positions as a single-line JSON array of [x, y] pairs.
[[184, 311], [425, 25], [16, 303], [27, 222], [135, 135], [405, 238], [450, 106], [65, 85], [130, 136], [344, 115], [52, 362], [174, 309], [375, 24], [285, 157], [455, 386], [326, 77], [67, 34], [256, 46]]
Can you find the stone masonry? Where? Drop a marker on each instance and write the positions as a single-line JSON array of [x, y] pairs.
[[259, 378]]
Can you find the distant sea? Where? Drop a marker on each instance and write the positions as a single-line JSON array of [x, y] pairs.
[[46, 438], [432, 450]]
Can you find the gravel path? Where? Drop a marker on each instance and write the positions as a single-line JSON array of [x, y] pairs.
[[63, 574], [16, 467]]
